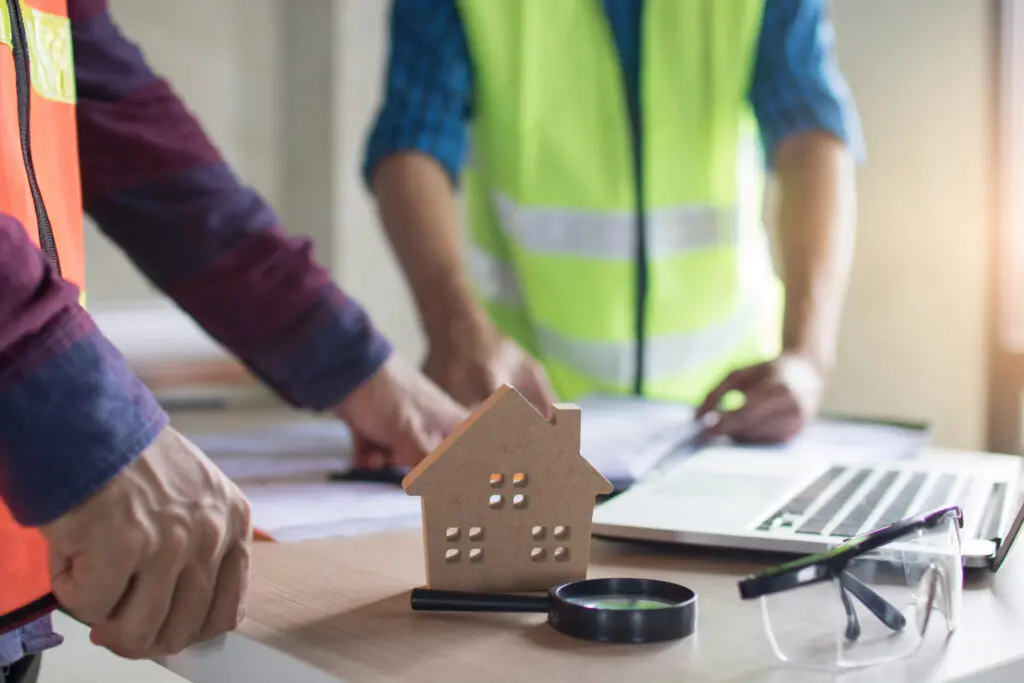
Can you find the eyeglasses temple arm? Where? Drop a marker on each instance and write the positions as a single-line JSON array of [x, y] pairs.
[[852, 621], [886, 612]]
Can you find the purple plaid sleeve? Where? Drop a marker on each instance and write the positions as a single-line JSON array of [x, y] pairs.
[[157, 186], [72, 414]]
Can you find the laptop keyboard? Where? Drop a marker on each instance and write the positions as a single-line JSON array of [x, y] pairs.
[[852, 523], [940, 492], [900, 505], [798, 505], [836, 518], [817, 523]]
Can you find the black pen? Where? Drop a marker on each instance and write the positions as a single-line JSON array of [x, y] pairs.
[[384, 475]]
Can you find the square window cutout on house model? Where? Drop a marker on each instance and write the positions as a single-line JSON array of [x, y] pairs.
[[508, 499]]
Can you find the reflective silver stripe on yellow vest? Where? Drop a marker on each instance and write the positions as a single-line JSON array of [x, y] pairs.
[[612, 235], [609, 362]]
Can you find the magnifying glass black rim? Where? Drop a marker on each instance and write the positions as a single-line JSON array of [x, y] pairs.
[[677, 619]]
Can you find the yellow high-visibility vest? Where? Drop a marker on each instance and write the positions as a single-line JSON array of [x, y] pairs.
[[667, 291]]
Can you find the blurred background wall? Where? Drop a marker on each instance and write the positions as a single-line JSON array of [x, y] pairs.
[[288, 88]]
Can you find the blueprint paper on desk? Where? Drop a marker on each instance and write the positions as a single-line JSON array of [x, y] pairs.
[[625, 437], [285, 470], [297, 448], [621, 438], [858, 440], [298, 511]]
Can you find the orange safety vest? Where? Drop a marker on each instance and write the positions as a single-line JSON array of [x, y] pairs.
[[39, 186]]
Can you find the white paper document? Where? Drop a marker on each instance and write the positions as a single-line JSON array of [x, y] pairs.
[[851, 440], [321, 509], [623, 438], [297, 448], [285, 469]]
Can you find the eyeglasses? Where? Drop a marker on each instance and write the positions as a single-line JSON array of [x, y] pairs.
[[868, 601]]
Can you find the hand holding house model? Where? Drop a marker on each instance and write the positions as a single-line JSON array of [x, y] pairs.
[[508, 499]]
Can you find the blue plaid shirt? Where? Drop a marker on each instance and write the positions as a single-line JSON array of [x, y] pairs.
[[796, 85]]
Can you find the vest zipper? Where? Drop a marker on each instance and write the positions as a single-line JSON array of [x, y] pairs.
[[636, 114], [23, 85], [641, 273]]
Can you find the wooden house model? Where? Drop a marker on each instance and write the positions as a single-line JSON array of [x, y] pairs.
[[508, 499]]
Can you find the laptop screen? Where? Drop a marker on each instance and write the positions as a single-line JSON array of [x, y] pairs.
[[1011, 536]]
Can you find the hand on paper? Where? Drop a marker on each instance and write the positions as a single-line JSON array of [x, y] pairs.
[[475, 371], [158, 559], [781, 396], [398, 416]]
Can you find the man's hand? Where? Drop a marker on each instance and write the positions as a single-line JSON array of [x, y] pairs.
[[158, 559], [781, 397], [398, 416], [467, 358], [472, 374]]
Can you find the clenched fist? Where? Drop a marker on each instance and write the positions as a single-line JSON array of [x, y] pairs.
[[158, 559]]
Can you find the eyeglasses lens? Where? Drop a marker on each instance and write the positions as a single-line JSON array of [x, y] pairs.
[[879, 609]]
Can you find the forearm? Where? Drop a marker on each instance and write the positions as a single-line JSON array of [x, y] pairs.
[[275, 308], [418, 210], [215, 248], [159, 188], [816, 225], [72, 414]]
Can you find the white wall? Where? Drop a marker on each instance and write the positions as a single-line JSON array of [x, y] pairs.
[[913, 339], [364, 260], [914, 334], [226, 67]]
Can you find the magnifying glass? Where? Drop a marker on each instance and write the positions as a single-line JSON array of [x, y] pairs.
[[602, 610]]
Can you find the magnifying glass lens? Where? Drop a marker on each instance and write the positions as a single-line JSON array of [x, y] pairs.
[[620, 602]]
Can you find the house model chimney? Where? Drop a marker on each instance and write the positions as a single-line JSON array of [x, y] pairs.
[[568, 421]]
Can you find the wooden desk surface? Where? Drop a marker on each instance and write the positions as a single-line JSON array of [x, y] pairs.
[[342, 606]]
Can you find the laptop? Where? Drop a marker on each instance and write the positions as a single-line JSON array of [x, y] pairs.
[[747, 499]]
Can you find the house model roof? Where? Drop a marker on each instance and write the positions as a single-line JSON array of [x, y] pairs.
[[508, 417]]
